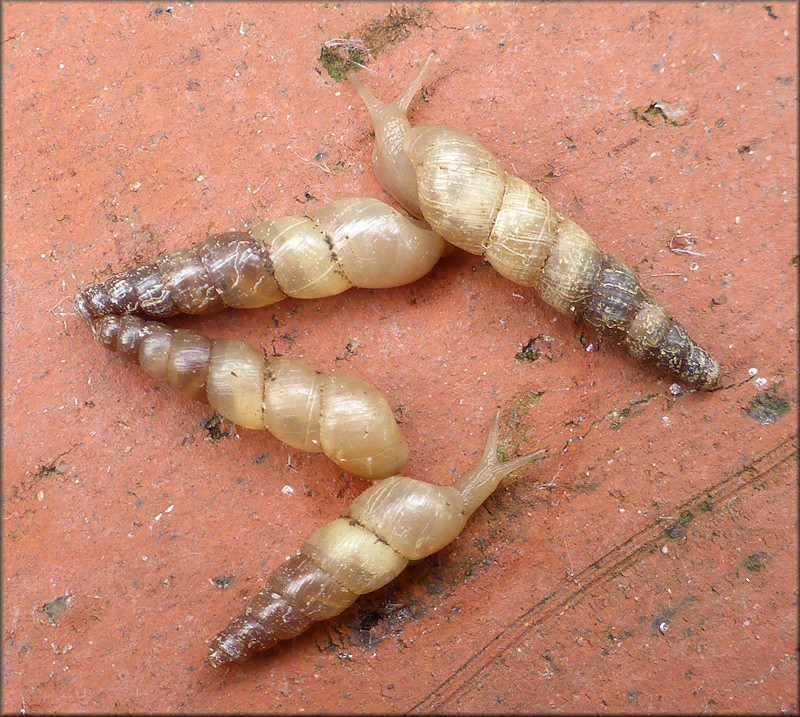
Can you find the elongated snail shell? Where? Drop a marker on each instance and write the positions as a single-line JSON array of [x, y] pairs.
[[394, 521], [460, 189], [349, 242], [342, 417]]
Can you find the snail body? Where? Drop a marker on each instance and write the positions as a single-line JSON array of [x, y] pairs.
[[467, 198], [342, 417], [349, 242], [393, 522]]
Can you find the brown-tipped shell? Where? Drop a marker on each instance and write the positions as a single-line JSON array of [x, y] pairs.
[[392, 522], [468, 198], [350, 242], [340, 416]]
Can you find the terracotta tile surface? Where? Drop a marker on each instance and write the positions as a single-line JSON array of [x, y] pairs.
[[648, 564]]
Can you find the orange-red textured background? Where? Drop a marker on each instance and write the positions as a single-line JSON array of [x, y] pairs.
[[649, 564]]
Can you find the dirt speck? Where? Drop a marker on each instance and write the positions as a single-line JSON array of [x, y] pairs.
[[766, 407], [672, 115], [217, 427], [339, 56], [679, 528], [531, 351], [223, 582], [56, 608], [756, 562]]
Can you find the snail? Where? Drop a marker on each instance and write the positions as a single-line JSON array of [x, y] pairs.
[[342, 417], [445, 176], [349, 242], [393, 522]]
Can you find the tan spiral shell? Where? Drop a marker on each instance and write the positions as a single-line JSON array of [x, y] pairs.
[[349, 242], [342, 417], [394, 521], [469, 200]]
